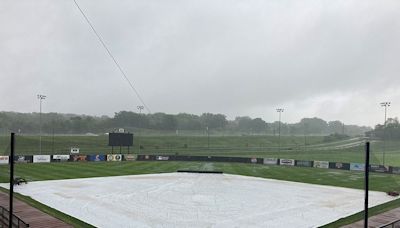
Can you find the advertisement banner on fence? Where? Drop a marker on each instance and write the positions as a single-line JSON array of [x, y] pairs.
[[339, 165], [162, 158], [321, 164], [304, 163], [129, 157], [96, 157], [23, 159], [61, 157], [379, 168], [289, 162], [395, 170], [41, 158], [114, 157], [270, 161], [146, 157], [78, 158], [357, 166], [4, 160], [253, 160]]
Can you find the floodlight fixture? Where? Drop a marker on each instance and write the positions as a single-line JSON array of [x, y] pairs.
[[41, 97]]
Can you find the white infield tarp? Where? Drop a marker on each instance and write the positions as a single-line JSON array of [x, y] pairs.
[[198, 200]]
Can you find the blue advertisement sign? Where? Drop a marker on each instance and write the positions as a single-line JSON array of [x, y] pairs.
[[357, 166], [96, 157]]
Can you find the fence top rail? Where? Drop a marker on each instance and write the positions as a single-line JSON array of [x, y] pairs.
[[19, 220], [389, 224]]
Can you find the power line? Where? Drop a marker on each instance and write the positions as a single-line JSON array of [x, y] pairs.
[[112, 56]]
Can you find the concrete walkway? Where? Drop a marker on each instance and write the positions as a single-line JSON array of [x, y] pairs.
[[34, 217]]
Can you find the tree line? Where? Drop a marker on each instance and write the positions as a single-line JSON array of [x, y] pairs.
[[390, 130], [58, 123]]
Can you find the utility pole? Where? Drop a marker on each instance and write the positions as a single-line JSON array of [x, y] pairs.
[[279, 110], [386, 105], [140, 107], [41, 98]]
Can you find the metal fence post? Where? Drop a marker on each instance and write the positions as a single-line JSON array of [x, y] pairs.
[[11, 161], [367, 146]]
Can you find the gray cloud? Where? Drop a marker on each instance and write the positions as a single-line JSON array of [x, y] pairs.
[[333, 59]]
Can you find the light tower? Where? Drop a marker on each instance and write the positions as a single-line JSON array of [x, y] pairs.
[[140, 107], [279, 110], [41, 98], [385, 104]]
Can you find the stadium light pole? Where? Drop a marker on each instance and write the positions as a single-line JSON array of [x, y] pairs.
[[41, 98], [140, 107], [385, 104], [305, 137], [208, 138], [279, 110]]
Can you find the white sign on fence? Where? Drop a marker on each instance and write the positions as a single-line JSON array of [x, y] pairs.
[[41, 158], [4, 160], [321, 164], [114, 157], [270, 161], [61, 157], [286, 162]]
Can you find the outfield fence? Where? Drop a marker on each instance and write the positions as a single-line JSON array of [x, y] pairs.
[[145, 157]]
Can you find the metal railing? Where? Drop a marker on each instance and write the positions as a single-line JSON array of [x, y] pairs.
[[16, 221], [394, 224]]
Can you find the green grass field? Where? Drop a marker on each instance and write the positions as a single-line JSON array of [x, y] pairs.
[[350, 179], [294, 147], [52, 171]]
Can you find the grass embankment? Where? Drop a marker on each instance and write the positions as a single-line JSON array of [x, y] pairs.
[[99, 144], [293, 147]]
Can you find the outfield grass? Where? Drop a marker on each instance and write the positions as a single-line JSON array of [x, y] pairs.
[[245, 146], [343, 178]]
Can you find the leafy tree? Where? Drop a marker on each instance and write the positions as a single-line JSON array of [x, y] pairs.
[[213, 121]]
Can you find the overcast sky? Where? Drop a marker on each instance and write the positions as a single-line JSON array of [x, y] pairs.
[[332, 59]]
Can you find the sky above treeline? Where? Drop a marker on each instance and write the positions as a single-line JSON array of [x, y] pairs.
[[336, 60]]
